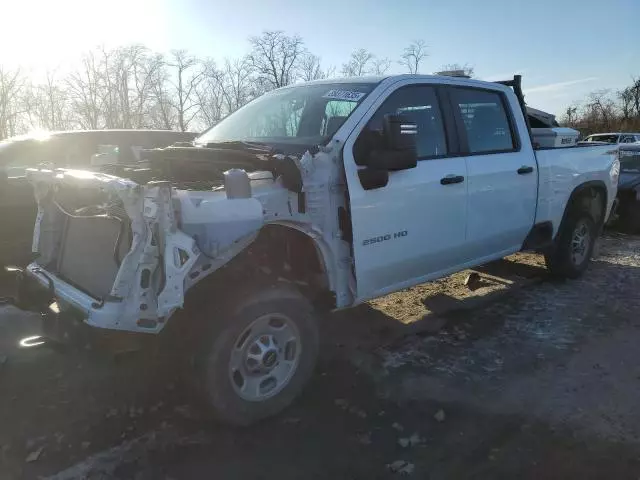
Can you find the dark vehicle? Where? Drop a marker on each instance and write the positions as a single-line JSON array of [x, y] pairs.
[[84, 149], [628, 200]]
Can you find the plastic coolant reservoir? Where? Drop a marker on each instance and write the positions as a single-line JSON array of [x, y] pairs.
[[215, 221]]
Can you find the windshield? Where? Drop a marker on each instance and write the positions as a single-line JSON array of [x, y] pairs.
[[304, 115], [603, 138]]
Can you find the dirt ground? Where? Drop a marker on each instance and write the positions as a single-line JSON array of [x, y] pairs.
[[511, 376]]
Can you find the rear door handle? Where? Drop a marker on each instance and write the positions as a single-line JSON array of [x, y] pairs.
[[523, 170], [451, 179]]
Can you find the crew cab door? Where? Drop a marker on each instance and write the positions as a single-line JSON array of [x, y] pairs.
[[502, 172], [412, 228]]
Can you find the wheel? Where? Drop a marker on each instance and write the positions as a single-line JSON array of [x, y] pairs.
[[574, 245], [262, 353]]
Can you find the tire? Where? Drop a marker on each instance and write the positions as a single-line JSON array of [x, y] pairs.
[[260, 353], [565, 261]]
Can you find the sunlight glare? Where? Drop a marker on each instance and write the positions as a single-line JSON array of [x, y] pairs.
[[66, 28]]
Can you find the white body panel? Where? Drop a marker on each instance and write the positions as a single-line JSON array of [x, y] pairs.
[[502, 203], [426, 220], [562, 170]]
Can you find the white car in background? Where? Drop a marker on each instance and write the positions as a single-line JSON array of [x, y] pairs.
[[614, 138]]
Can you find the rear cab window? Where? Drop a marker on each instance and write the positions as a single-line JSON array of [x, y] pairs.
[[485, 120]]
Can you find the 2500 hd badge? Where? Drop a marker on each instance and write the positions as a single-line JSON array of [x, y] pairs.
[[384, 238]]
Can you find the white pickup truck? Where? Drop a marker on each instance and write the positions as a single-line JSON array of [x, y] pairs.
[[316, 196]]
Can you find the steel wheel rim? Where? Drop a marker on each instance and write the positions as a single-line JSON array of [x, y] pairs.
[[264, 357], [580, 243]]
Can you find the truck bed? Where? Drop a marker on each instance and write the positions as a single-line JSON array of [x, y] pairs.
[[561, 170]]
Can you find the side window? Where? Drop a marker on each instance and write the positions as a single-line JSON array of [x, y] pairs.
[[419, 103], [485, 120]]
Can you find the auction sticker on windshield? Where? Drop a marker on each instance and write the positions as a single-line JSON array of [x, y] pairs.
[[347, 95]]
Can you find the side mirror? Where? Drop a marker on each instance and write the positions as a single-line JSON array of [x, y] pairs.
[[399, 140], [400, 132]]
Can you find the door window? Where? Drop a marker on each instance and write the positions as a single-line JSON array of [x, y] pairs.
[[420, 104], [485, 120]]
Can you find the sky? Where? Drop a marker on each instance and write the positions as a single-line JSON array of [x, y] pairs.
[[564, 49]]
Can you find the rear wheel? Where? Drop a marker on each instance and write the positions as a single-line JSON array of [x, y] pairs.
[[573, 248], [261, 354]]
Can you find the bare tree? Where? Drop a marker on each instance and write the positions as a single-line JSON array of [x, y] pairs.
[[380, 66], [626, 102], [48, 104], [634, 91], [236, 83], [600, 109], [413, 56], [86, 92], [134, 73], [310, 68], [162, 113], [12, 84], [276, 57], [358, 64], [570, 117], [210, 95], [187, 76]]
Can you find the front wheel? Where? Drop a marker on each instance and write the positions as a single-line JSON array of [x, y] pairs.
[[262, 353], [573, 249]]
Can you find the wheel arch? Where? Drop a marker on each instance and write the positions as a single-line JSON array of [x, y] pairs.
[[323, 252], [591, 196], [281, 250]]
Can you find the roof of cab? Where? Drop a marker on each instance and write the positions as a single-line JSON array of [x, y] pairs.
[[394, 78]]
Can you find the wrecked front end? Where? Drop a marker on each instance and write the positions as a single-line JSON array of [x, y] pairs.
[[120, 253], [108, 249]]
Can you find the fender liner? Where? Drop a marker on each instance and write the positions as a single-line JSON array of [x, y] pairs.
[[598, 185], [322, 249], [206, 266]]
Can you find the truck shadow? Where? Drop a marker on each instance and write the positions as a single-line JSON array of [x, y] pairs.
[[425, 308], [485, 284], [104, 404]]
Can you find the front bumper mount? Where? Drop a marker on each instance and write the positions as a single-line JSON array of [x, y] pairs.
[[28, 294]]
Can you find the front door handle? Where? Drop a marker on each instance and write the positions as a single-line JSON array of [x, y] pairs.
[[523, 170], [451, 179]]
